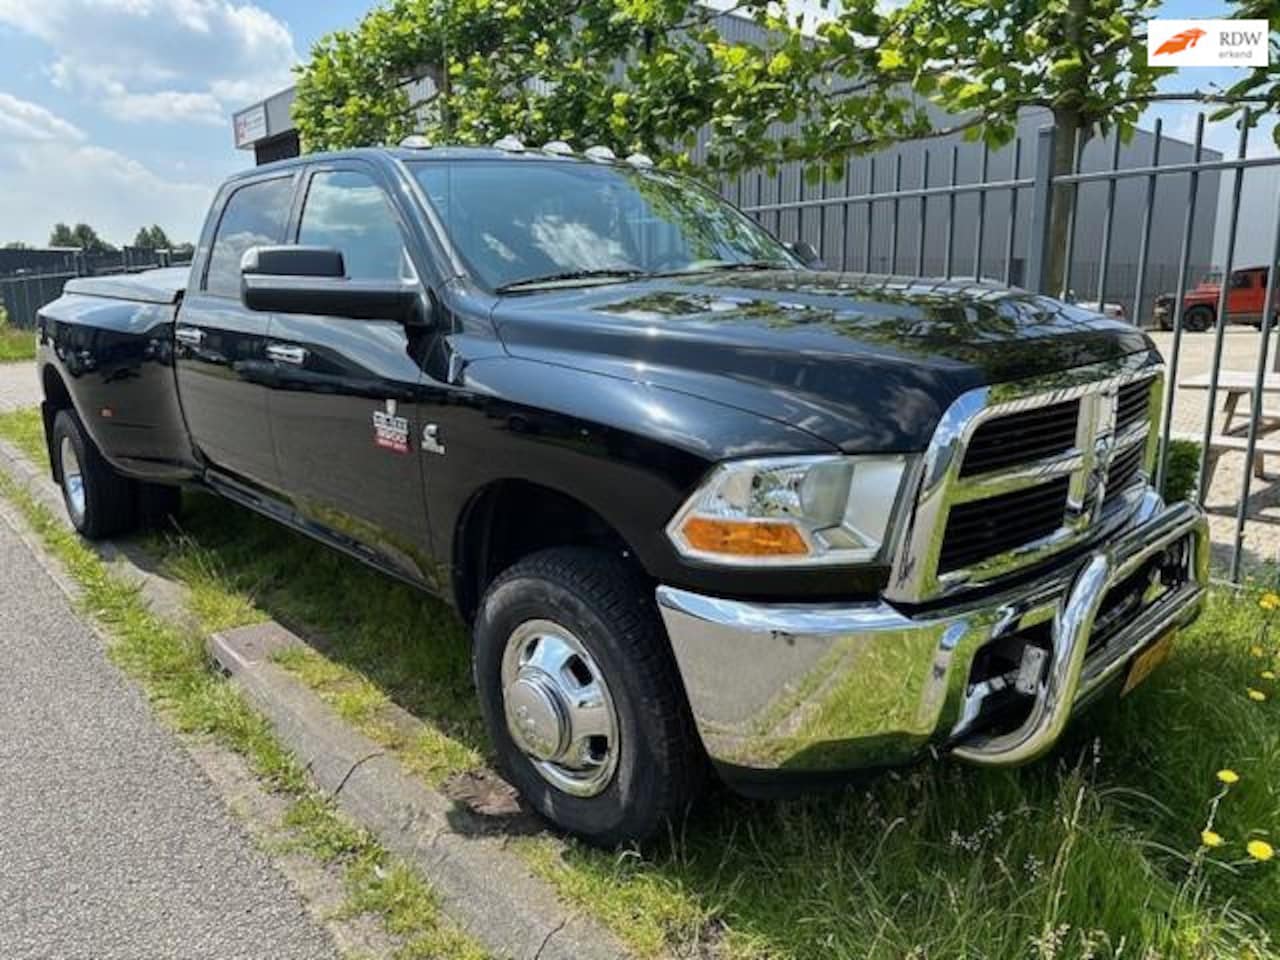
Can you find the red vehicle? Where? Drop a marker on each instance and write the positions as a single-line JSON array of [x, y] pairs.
[[1200, 304]]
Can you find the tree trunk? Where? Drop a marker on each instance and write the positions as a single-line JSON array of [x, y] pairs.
[[1068, 143]]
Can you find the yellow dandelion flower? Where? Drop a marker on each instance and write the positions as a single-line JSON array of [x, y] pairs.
[[1257, 696], [1269, 601], [1210, 839], [1268, 674], [1228, 776], [1260, 850], [1256, 651]]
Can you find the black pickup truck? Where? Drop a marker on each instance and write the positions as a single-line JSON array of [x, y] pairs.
[[705, 508]]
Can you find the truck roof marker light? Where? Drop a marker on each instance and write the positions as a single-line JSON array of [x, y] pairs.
[[416, 141], [558, 147], [640, 160], [744, 538], [510, 143], [601, 154]]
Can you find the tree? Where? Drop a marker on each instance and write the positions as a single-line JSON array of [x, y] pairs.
[[152, 238], [1083, 60], [81, 235], [629, 75], [61, 236], [649, 74]]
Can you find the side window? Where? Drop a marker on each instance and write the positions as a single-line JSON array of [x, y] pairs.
[[1241, 280], [347, 210], [255, 215]]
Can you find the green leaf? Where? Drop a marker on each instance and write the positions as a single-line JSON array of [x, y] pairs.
[[890, 59]]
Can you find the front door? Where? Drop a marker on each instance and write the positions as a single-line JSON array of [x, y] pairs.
[[343, 405], [220, 345]]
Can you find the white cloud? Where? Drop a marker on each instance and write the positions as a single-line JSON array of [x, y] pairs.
[[24, 122], [51, 173], [166, 106], [148, 60]]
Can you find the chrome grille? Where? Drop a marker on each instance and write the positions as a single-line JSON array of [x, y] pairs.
[[982, 528], [1125, 470], [1037, 433], [1017, 472]]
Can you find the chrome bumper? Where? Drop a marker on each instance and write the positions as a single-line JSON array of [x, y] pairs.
[[841, 687]]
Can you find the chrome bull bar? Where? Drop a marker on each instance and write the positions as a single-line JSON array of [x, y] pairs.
[[1068, 683]]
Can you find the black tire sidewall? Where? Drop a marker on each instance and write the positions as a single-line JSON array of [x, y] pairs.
[[66, 425], [108, 497], [1203, 319], [621, 809]]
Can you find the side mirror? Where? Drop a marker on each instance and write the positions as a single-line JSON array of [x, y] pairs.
[[314, 280], [806, 254]]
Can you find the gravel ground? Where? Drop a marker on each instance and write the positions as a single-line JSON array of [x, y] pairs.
[[18, 386], [114, 845], [1262, 528]]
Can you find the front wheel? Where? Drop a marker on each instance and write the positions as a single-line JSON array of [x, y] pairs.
[[582, 699], [100, 502], [1198, 319]]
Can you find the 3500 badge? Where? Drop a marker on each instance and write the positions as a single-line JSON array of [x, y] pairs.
[[390, 431]]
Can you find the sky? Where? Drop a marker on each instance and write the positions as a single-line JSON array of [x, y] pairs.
[[117, 112]]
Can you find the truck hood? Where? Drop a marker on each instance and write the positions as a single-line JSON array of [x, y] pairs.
[[864, 363]]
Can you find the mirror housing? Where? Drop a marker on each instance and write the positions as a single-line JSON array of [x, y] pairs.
[[313, 280], [805, 252]]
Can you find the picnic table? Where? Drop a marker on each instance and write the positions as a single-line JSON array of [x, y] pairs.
[[1235, 385]]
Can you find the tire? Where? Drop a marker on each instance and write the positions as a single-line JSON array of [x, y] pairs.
[[647, 774], [1198, 319], [100, 502]]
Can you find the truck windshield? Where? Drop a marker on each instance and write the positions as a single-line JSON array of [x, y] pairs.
[[524, 224]]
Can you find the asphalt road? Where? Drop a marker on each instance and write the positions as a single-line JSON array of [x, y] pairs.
[[112, 843]]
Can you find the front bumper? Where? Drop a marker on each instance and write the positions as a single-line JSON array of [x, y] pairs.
[[824, 688]]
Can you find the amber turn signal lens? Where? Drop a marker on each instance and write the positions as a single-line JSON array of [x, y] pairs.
[[758, 539]]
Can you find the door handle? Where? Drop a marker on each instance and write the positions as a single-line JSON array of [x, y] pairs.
[[191, 336], [296, 356]]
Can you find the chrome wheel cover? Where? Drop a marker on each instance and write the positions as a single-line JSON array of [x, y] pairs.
[[558, 708], [72, 480]]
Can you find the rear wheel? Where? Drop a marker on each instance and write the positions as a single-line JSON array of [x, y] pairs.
[[1197, 319], [582, 699], [99, 501]]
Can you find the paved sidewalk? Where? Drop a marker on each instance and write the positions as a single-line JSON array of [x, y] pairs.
[[18, 385], [1240, 350], [113, 844]]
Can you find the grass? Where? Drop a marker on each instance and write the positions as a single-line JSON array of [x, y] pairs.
[[15, 344], [1093, 852], [171, 665]]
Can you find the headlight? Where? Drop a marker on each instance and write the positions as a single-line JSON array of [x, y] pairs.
[[792, 511]]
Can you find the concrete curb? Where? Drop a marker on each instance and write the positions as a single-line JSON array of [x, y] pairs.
[[490, 892], [487, 890]]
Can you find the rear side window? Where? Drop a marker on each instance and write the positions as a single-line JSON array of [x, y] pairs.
[[255, 215], [347, 210]]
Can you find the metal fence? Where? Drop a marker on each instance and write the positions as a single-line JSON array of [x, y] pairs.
[[862, 231], [23, 294]]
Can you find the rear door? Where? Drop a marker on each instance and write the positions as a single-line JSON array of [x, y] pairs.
[[220, 345], [343, 406]]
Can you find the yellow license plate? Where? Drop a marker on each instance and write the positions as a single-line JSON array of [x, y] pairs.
[[1145, 663]]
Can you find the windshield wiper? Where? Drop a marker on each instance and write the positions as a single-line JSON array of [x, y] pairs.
[[753, 265], [572, 275]]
